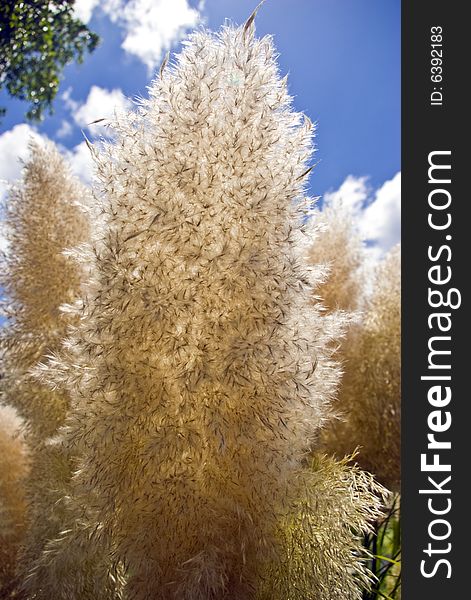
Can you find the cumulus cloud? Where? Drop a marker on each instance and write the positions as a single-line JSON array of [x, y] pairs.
[[81, 162], [69, 102], [83, 9], [381, 219], [150, 27], [64, 130], [353, 193], [153, 26], [100, 104], [377, 212]]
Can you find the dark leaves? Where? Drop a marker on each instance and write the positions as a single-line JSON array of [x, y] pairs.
[[37, 40]]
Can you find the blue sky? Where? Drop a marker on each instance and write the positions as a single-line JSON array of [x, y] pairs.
[[343, 61]]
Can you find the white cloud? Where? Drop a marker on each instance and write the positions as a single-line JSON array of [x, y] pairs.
[[100, 104], [377, 213], [151, 27], [353, 193], [64, 130], [381, 220], [81, 162], [83, 9], [69, 102]]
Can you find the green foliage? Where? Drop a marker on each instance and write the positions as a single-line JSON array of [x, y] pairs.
[[37, 39], [384, 545]]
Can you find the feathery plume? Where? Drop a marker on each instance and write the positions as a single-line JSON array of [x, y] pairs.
[[13, 470], [200, 371], [42, 219], [45, 217], [338, 245], [370, 394], [320, 554]]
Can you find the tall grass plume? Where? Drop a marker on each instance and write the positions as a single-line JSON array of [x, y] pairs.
[[200, 371]]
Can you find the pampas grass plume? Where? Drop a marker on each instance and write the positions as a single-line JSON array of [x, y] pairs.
[[45, 217], [200, 371], [370, 394]]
